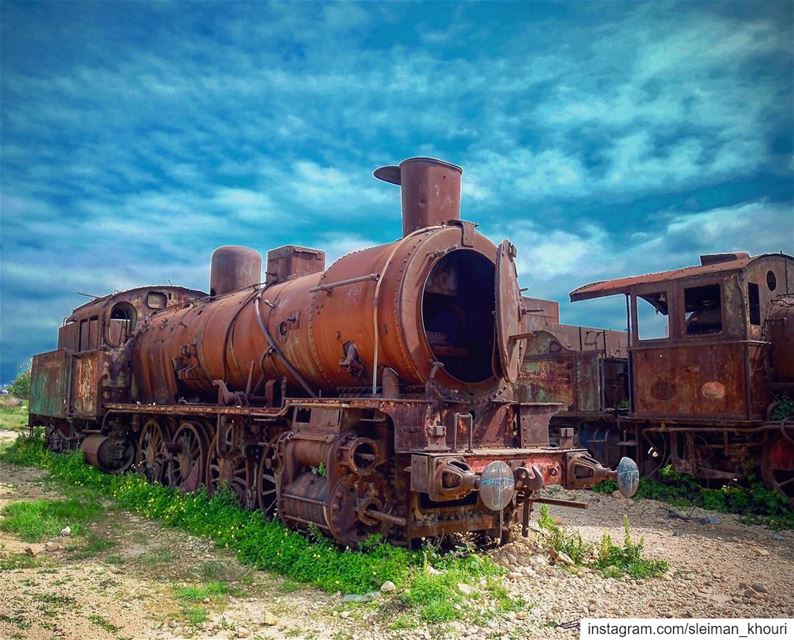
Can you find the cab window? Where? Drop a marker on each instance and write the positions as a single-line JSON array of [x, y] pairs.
[[703, 310], [653, 316]]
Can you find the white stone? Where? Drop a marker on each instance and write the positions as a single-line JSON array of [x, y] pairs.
[[387, 587]]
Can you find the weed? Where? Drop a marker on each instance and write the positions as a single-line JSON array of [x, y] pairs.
[[560, 540], [35, 520], [18, 620], [104, 623], [194, 614], [615, 561], [13, 418], [94, 546], [198, 593], [19, 561], [289, 586], [612, 560], [754, 502], [161, 555]]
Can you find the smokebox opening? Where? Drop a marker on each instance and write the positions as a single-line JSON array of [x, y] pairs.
[[457, 314]]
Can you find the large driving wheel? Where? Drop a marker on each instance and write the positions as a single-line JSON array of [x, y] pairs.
[[231, 471], [186, 469], [777, 465], [151, 456], [267, 493]]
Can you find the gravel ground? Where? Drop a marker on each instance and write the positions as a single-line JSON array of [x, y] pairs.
[[721, 569]]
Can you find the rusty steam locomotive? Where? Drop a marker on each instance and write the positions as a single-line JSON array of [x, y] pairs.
[[698, 381], [375, 395]]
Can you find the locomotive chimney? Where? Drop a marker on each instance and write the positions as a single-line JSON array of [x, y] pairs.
[[430, 191], [234, 268]]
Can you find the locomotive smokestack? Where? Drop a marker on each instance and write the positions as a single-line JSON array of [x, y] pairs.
[[430, 191]]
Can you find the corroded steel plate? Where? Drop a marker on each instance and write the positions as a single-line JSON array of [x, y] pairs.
[[497, 485], [508, 317]]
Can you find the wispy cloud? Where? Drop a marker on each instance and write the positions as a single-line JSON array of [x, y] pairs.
[[138, 136]]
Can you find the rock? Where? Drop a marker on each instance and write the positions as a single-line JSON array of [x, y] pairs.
[[762, 552], [32, 551], [465, 589], [720, 599], [52, 546], [749, 593], [269, 619], [387, 587], [242, 632], [344, 615], [172, 624], [354, 597], [565, 559], [433, 571], [758, 587], [66, 531], [206, 601]]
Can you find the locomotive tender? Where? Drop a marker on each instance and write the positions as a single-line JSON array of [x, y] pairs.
[[372, 396]]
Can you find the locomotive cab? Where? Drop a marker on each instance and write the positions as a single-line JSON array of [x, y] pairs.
[[707, 359]]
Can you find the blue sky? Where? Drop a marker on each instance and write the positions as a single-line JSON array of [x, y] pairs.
[[604, 139]]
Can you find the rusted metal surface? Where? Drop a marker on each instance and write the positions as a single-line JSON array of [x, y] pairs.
[[430, 191], [288, 262], [727, 263], [112, 455], [703, 384], [508, 312], [372, 396], [49, 384], [86, 383], [233, 268], [780, 332]]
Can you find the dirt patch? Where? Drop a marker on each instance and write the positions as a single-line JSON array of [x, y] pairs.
[[133, 578], [124, 581]]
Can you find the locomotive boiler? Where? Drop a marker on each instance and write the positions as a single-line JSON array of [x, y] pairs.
[[372, 396]]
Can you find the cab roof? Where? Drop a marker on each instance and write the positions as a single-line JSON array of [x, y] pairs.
[[709, 264]]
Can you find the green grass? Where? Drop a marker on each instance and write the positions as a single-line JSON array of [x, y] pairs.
[[612, 560], [615, 561], [35, 520], [195, 615], [562, 541], [13, 418], [160, 555], [104, 623], [95, 544], [198, 593], [19, 561], [269, 545], [754, 503]]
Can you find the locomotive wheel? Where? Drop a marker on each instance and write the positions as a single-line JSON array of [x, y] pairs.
[[351, 498], [186, 470], [231, 471], [151, 458], [777, 467], [267, 492]]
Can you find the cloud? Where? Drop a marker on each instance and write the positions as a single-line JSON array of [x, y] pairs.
[[137, 138], [551, 264]]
